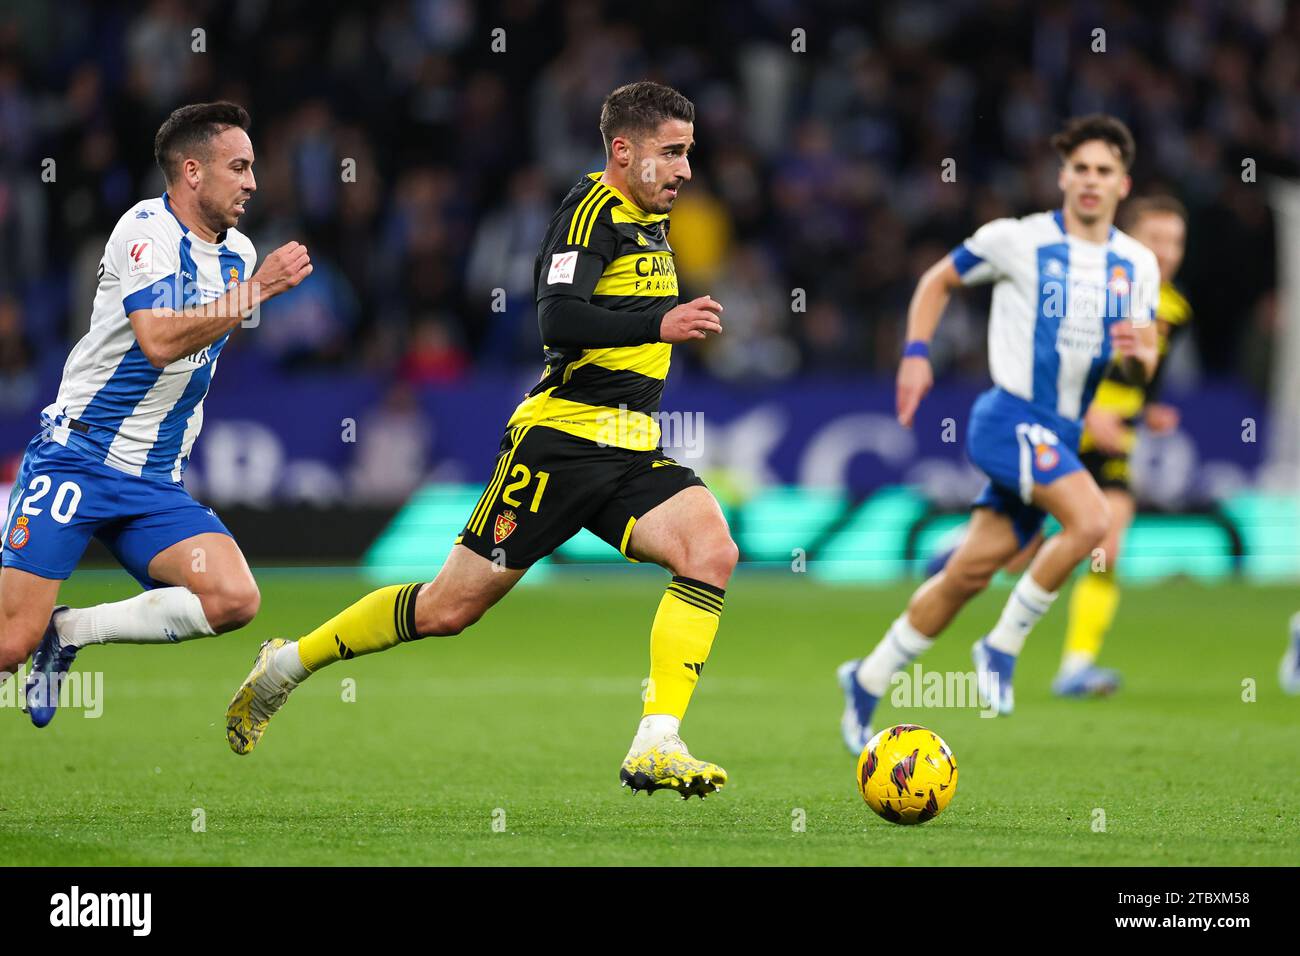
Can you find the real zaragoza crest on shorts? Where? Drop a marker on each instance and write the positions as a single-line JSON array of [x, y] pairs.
[[505, 524]]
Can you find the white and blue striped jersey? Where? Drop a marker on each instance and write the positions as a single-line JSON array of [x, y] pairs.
[[112, 404], [1054, 300]]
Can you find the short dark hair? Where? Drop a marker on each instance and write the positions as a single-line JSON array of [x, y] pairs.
[[188, 131], [640, 107], [1135, 209], [1108, 129]]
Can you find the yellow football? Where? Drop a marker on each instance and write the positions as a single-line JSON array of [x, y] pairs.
[[907, 774]]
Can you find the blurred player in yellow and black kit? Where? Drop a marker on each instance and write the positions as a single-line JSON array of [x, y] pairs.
[[581, 450], [1109, 435]]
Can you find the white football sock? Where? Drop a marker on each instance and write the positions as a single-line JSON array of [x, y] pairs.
[[1028, 603], [652, 729], [901, 645], [161, 616], [286, 665]]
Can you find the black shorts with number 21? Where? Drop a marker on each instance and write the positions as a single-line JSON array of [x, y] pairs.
[[547, 485]]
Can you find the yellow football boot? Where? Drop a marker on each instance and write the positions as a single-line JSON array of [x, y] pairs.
[[256, 702], [668, 765]]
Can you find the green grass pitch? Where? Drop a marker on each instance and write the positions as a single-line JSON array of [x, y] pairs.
[[522, 723]]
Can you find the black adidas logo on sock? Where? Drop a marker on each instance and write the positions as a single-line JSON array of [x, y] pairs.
[[698, 667], [345, 652]]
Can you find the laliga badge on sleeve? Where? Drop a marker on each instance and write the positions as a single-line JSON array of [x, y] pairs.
[[563, 266], [139, 253]]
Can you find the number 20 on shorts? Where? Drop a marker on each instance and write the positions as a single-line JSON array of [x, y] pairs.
[[62, 507]]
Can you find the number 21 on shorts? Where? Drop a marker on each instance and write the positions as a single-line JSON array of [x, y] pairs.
[[523, 477]]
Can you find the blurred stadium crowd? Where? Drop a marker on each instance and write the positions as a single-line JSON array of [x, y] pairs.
[[817, 171]]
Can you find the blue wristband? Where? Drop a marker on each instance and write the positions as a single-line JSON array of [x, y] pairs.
[[916, 349]]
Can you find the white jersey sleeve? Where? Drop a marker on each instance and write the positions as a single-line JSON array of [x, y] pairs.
[[144, 256], [988, 255]]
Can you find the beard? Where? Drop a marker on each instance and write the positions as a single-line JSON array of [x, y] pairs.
[[216, 217], [653, 203]]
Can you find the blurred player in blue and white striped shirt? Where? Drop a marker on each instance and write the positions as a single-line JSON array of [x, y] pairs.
[[1070, 292], [113, 445]]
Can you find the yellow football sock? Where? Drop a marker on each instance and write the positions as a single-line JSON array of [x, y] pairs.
[[1092, 609], [380, 620], [680, 639]]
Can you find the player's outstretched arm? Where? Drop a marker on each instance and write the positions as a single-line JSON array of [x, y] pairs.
[[928, 302], [166, 335], [571, 322]]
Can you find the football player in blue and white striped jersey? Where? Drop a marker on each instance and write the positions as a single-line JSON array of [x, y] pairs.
[[1070, 292], [112, 447]]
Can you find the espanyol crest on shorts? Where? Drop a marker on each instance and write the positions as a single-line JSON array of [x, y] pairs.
[[20, 534]]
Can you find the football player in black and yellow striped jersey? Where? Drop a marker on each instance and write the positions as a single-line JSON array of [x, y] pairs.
[[581, 450], [603, 377], [1110, 432]]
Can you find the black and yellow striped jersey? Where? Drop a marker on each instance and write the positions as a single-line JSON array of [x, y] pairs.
[[603, 250], [1117, 394]]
